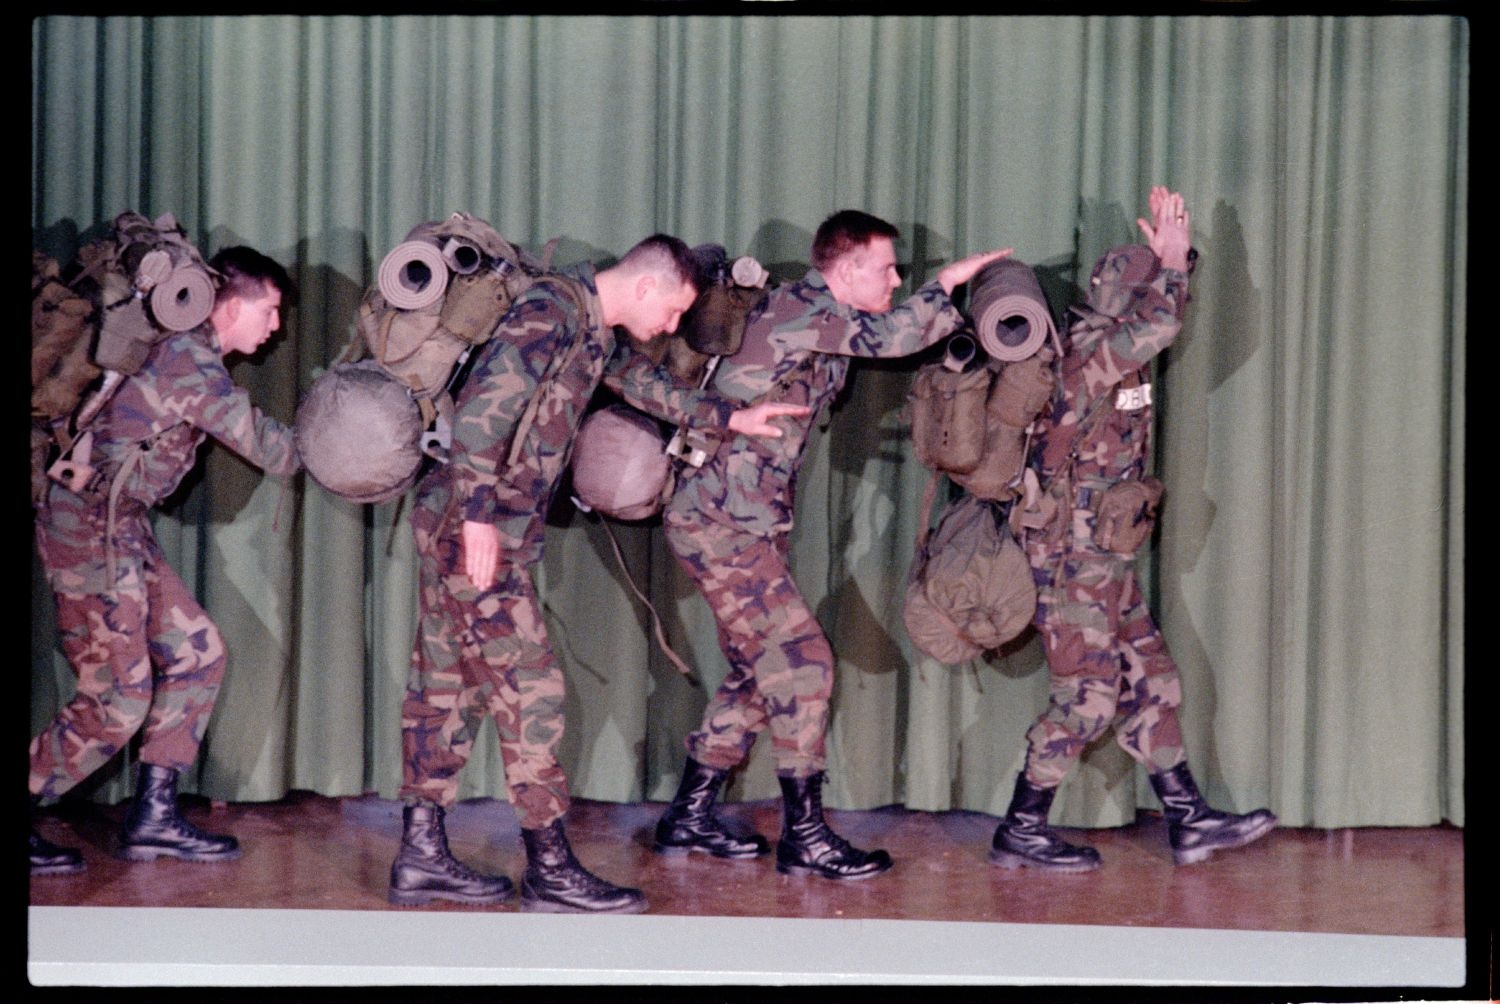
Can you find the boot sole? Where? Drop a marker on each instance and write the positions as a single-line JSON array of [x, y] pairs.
[[830, 876], [70, 869], [1194, 855], [683, 850], [548, 906], [401, 897], [152, 853], [1006, 859]]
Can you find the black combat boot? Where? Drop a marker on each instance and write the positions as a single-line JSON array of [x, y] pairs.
[[153, 827], [689, 823], [808, 844], [425, 870], [1024, 840], [555, 882], [1196, 831], [48, 858]]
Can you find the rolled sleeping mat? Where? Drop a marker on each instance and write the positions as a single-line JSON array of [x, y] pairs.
[[413, 275], [1009, 311], [184, 299], [959, 351], [359, 433], [461, 256]]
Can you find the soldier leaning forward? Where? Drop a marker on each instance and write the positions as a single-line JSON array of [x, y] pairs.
[[482, 646], [146, 654], [1106, 657], [728, 524]]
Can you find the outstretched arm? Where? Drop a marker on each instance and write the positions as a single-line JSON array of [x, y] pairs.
[[955, 274]]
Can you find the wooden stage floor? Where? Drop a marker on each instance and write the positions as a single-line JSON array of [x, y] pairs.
[[312, 852]]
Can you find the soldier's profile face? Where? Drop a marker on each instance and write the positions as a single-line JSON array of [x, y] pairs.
[[660, 310], [257, 318], [872, 275]]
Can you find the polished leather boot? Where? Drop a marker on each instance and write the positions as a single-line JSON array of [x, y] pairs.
[[154, 828], [1194, 830], [555, 882], [425, 870], [48, 858], [809, 845], [1024, 840], [689, 824]]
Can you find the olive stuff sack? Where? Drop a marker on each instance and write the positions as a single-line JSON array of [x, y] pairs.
[[970, 588], [367, 422]]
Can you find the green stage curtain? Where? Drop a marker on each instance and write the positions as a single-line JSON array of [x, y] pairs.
[[1308, 572]]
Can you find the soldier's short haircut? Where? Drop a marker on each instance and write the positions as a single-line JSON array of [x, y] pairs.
[[845, 231], [246, 270], [665, 255]]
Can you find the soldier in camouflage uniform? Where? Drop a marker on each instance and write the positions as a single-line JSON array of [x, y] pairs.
[[728, 524], [147, 655], [1107, 659], [482, 645]]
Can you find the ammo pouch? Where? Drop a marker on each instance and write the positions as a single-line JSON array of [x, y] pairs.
[[948, 418], [474, 305], [1127, 514], [1017, 395]]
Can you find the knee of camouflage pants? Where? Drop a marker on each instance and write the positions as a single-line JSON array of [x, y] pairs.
[[1079, 711]]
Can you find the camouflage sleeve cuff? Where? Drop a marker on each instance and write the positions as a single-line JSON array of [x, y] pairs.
[[654, 390], [478, 505], [1175, 286]]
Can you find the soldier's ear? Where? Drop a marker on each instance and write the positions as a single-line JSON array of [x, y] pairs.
[[644, 285]]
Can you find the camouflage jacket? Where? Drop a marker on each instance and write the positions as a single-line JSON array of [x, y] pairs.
[[1103, 386], [797, 348], [180, 395], [548, 345]]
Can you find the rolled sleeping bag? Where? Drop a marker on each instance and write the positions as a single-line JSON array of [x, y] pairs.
[[1009, 311], [359, 433], [620, 465], [413, 275]]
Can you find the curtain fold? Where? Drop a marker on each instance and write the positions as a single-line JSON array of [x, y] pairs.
[[1308, 571]]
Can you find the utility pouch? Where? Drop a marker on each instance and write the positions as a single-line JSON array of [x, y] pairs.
[[474, 305], [948, 418], [1127, 514]]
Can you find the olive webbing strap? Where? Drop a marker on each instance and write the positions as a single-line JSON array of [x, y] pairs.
[[557, 365], [661, 637]]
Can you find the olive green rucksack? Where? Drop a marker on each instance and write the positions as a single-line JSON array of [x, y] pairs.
[[387, 400], [94, 324]]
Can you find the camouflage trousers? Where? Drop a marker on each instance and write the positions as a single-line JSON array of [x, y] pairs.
[[1108, 665], [146, 654], [477, 654], [780, 662]]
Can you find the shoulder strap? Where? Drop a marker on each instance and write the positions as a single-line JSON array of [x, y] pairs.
[[559, 362]]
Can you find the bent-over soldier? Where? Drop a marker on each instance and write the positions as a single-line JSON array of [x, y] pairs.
[[479, 522], [147, 656]]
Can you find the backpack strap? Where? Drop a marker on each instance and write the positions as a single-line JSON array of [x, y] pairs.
[[560, 362], [661, 636]]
